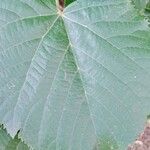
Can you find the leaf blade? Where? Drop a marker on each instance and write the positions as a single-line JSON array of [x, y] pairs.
[[86, 80]]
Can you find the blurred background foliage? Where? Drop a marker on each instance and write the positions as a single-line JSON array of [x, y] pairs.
[[7, 143]]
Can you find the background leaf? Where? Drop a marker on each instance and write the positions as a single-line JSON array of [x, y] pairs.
[[147, 11], [140, 4], [7, 143], [69, 2]]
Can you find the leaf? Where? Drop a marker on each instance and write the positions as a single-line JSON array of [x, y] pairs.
[[140, 4], [148, 6], [7, 143], [147, 10], [69, 2], [144, 7], [4, 139], [71, 79]]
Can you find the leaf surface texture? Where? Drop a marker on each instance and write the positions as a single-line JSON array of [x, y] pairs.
[[70, 81]]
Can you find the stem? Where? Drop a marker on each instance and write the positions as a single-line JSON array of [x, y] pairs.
[[61, 5]]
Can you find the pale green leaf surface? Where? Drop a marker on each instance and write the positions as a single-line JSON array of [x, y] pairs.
[[71, 82]]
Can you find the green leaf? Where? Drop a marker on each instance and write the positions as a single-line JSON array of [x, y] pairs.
[[4, 138], [148, 6], [144, 7], [140, 4], [7, 143], [71, 79], [147, 10], [67, 2]]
